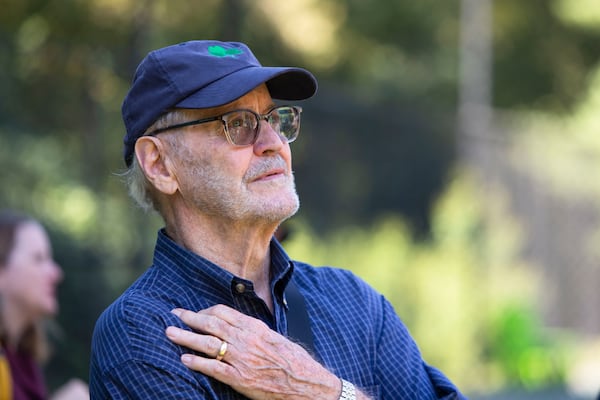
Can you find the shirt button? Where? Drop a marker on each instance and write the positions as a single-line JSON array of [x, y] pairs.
[[240, 287]]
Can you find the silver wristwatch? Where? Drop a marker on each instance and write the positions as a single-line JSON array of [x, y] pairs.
[[348, 391]]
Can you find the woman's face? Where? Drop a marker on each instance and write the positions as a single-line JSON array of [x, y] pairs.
[[29, 279]]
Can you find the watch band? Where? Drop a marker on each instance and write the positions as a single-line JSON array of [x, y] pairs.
[[348, 391]]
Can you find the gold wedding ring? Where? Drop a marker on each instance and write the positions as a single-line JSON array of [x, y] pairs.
[[222, 351]]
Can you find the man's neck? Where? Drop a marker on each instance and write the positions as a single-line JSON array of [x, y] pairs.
[[241, 248]]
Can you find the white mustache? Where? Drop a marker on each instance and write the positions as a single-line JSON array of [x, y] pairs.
[[269, 164]]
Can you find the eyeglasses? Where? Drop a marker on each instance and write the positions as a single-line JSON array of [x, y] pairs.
[[242, 126]]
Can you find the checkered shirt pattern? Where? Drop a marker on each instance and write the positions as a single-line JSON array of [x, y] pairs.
[[357, 334]]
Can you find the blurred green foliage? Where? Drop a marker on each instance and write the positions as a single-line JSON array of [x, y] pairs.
[[524, 351], [464, 294]]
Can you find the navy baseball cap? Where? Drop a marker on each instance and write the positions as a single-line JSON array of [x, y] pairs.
[[202, 74]]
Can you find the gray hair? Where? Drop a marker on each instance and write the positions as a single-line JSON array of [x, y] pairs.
[[139, 187]]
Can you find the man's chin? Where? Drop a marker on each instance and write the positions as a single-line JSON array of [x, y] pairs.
[[279, 212]]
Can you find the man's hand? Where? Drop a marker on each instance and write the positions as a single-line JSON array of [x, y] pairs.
[[257, 361]]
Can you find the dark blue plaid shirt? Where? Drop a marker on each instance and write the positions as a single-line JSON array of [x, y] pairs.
[[357, 334]]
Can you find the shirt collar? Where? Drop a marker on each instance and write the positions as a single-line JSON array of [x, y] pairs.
[[200, 272]]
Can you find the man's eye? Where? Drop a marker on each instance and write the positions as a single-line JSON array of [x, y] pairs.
[[236, 123]]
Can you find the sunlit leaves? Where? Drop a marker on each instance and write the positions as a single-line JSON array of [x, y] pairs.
[[310, 27], [584, 13]]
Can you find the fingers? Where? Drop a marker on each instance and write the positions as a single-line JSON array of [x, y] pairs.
[[217, 332], [210, 345], [220, 314], [203, 322], [214, 330], [211, 367], [244, 353], [224, 323]]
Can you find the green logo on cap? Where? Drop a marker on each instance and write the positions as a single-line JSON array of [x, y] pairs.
[[219, 51]]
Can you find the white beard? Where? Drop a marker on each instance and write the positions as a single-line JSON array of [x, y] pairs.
[[216, 193]]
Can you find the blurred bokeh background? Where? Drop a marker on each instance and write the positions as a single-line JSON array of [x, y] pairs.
[[451, 158]]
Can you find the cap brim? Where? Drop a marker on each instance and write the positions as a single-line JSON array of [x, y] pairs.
[[284, 83]]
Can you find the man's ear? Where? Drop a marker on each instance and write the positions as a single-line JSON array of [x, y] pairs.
[[151, 156]]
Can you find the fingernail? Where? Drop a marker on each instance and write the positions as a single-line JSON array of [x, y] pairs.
[[177, 311], [186, 359], [172, 332]]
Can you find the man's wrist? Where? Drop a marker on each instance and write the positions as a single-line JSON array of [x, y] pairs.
[[348, 391]]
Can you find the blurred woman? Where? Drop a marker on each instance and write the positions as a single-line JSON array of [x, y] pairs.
[[28, 280]]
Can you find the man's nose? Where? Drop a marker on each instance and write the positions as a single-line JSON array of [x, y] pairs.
[[268, 140]]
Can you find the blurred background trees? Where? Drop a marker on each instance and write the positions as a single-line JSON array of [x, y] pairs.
[[470, 253]]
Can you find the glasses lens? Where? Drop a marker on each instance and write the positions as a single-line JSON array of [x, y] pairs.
[[286, 121], [241, 127]]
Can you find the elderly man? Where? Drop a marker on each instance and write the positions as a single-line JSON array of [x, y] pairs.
[[209, 150]]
